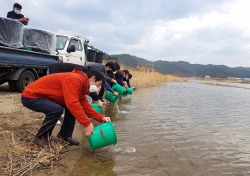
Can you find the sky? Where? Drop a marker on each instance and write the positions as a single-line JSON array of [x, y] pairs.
[[197, 31]]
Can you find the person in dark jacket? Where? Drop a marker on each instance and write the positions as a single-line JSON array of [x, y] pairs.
[[15, 14], [119, 76], [109, 66], [126, 77]]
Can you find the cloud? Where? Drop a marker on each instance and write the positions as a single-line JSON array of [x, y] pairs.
[[204, 31]]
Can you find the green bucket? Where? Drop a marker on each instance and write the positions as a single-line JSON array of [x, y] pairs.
[[128, 91], [118, 88], [97, 108], [125, 94], [111, 97], [28, 49], [104, 135]]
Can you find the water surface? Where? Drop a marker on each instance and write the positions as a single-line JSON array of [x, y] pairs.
[[176, 129]]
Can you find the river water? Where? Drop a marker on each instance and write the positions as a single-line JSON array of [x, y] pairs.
[[176, 129]]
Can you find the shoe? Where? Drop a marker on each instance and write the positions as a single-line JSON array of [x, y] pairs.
[[70, 140], [41, 141]]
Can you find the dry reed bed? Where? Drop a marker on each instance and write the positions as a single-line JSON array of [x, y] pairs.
[[20, 156], [148, 77]]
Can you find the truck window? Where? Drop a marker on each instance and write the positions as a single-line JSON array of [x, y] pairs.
[[61, 42], [77, 43]]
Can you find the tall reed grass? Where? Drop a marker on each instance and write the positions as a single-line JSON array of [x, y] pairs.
[[144, 76]]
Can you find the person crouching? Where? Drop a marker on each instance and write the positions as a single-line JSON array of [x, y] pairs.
[[52, 93]]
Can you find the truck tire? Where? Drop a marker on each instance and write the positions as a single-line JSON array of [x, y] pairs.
[[12, 85], [25, 79]]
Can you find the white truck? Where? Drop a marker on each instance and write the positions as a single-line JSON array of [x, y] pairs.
[[72, 49], [75, 49]]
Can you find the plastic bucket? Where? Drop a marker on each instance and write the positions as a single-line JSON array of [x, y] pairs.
[[104, 135], [129, 90], [97, 108], [118, 88], [125, 94], [111, 97]]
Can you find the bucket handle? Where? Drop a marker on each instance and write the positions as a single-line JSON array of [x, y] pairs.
[[102, 133]]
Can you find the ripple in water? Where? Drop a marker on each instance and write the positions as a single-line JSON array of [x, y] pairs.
[[126, 150]]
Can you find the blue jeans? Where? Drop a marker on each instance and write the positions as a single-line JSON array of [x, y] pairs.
[[53, 112]]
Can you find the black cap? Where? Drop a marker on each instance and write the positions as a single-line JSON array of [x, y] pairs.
[[16, 5]]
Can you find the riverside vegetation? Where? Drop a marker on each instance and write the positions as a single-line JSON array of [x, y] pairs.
[[144, 77]]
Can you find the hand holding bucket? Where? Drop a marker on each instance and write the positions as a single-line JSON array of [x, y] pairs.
[[111, 97], [128, 91], [103, 135], [118, 88]]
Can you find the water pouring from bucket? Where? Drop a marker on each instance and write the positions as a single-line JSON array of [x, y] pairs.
[[104, 135], [117, 107]]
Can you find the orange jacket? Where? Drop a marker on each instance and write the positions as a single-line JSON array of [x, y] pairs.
[[67, 89]]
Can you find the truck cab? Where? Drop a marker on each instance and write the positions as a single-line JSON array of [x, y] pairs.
[[71, 49]]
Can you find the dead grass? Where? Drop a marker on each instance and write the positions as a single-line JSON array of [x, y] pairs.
[[20, 156], [147, 77]]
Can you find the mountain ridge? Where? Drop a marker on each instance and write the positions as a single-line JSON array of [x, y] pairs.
[[183, 68]]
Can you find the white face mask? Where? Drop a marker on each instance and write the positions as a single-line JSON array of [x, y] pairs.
[[93, 88], [17, 11]]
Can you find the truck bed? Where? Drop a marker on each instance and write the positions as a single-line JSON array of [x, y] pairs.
[[18, 57]]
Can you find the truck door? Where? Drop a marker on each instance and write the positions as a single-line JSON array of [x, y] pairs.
[[77, 56]]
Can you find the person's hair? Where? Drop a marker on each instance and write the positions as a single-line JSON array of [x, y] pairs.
[[130, 76], [16, 5], [98, 75], [111, 65], [117, 66], [126, 71]]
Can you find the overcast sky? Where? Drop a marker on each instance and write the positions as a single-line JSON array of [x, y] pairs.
[[196, 31]]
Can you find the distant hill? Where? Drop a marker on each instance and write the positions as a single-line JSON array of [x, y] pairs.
[[182, 68]]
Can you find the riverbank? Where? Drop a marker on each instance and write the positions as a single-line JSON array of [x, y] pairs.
[[227, 83], [18, 126]]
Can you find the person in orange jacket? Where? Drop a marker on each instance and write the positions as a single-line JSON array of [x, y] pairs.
[[52, 93]]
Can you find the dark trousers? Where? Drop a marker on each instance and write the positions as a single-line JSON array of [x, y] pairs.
[[101, 92], [53, 112]]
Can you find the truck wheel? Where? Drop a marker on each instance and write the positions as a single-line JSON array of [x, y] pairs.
[[12, 85], [25, 79]]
